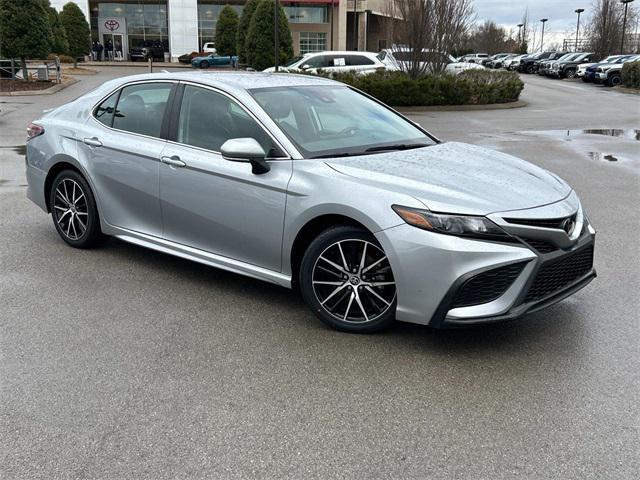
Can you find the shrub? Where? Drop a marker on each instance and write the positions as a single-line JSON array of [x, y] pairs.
[[243, 28], [259, 48], [226, 31], [631, 74], [77, 28], [473, 87]]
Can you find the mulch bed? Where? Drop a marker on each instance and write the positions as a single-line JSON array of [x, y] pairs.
[[8, 85]]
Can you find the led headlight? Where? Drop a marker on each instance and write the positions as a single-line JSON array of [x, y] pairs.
[[460, 225]]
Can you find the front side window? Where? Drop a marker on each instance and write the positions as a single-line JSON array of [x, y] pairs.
[[208, 119], [141, 108], [333, 120], [358, 60], [104, 112]]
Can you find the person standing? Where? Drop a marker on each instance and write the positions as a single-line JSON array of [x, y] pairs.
[[109, 50], [99, 49]]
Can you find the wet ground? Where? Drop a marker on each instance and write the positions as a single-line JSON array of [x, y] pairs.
[[120, 362]]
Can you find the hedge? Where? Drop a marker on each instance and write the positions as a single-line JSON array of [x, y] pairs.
[[473, 87], [631, 74]]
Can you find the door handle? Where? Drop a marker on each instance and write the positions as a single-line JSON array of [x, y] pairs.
[[93, 142], [173, 161]]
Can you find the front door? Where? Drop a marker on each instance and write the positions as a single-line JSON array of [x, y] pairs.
[[218, 205]]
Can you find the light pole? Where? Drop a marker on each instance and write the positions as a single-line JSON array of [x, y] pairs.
[[578, 11], [543, 20], [520, 25], [276, 28], [624, 23]]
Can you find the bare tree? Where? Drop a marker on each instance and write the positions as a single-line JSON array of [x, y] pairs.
[[427, 31], [604, 31], [489, 38]]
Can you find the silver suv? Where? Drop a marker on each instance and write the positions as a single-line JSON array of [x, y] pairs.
[[307, 183]]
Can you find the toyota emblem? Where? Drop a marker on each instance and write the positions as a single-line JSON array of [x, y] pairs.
[[568, 225], [112, 25]]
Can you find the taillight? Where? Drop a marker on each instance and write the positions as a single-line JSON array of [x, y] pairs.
[[33, 131]]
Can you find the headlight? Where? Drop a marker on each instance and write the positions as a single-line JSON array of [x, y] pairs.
[[460, 225]]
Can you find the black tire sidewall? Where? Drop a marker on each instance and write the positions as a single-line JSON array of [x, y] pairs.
[[93, 232], [315, 249], [204, 64]]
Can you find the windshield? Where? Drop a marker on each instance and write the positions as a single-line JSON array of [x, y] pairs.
[[333, 120], [293, 61]]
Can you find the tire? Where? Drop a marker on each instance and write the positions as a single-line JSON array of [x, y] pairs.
[[74, 211], [358, 299], [204, 64], [584, 79], [531, 69], [570, 73], [614, 80]]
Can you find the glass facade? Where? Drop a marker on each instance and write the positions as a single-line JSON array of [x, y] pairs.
[[305, 13], [146, 20], [312, 42]]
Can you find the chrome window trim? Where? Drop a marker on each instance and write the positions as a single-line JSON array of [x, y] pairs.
[[246, 109], [120, 87]]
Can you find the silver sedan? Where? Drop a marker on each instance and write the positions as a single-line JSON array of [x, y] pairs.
[[309, 184]]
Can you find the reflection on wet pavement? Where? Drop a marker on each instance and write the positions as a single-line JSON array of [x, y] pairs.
[[600, 156], [629, 133]]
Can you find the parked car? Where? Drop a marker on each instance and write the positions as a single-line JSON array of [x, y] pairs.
[[304, 182], [542, 66], [474, 58], [568, 67], [334, 61], [213, 60], [509, 61], [209, 47], [488, 62], [528, 64], [611, 74], [401, 58], [514, 63], [497, 60], [147, 50], [187, 57], [589, 73]]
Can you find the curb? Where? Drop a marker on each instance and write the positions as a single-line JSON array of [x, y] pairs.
[[137, 64], [463, 108], [47, 91]]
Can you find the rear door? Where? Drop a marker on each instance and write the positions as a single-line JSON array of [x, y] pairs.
[[123, 141]]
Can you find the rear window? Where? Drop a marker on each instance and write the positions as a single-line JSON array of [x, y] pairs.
[[141, 108], [104, 112]]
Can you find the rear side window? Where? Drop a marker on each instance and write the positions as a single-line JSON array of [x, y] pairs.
[[141, 108], [104, 112], [355, 60]]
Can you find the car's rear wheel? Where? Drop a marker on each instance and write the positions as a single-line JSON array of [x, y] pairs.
[[204, 64], [74, 211], [570, 73], [346, 279], [531, 69]]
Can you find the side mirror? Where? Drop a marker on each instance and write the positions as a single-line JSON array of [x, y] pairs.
[[305, 67], [246, 150]]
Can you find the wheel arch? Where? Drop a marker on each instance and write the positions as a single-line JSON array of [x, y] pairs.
[[309, 231], [61, 163]]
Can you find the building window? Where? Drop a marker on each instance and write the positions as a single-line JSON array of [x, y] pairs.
[[312, 42], [304, 13]]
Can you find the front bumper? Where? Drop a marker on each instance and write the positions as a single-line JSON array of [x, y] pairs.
[[432, 270]]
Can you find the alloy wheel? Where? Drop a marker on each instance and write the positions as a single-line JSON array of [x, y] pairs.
[[71, 209], [353, 282]]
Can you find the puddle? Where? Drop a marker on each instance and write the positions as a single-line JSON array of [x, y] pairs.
[[599, 156], [625, 133], [19, 149]]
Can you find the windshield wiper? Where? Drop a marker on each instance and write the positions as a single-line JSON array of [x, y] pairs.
[[339, 154], [400, 146]]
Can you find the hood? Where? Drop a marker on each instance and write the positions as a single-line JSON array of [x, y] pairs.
[[457, 178]]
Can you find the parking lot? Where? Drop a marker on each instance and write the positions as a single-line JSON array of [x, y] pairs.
[[122, 362]]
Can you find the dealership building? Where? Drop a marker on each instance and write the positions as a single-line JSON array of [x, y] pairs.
[[183, 26]]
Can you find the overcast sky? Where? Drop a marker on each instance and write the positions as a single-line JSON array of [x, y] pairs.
[[561, 14]]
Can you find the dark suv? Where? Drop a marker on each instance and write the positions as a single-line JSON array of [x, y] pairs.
[[543, 66], [567, 68], [528, 65], [147, 50]]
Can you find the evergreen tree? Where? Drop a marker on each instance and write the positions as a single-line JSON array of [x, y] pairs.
[[226, 31], [243, 28], [259, 46], [59, 42], [24, 30], [78, 32]]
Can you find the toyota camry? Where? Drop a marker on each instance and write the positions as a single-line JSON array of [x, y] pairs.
[[310, 184]]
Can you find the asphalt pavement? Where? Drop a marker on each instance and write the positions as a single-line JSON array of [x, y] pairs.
[[121, 362]]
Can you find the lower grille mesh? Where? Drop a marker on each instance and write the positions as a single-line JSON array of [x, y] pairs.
[[555, 275], [487, 286]]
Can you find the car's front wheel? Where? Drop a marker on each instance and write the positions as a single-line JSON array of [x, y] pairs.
[[74, 210], [346, 279], [614, 80], [204, 64]]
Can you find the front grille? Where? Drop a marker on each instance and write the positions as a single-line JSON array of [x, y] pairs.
[[541, 246], [487, 286], [544, 223], [555, 275]]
